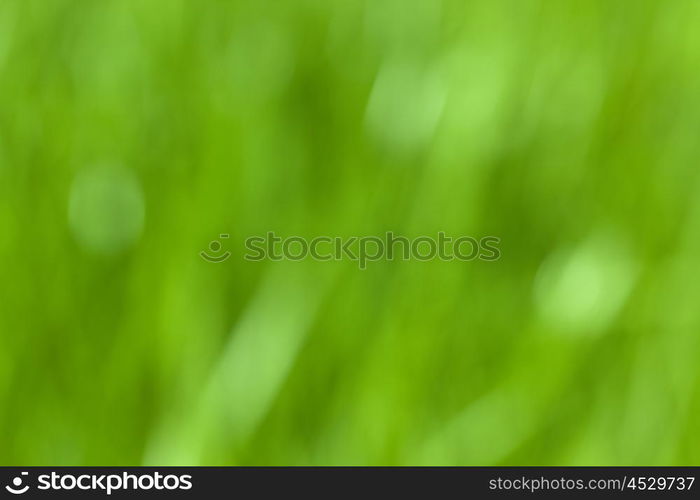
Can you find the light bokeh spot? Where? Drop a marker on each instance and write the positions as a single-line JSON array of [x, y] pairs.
[[580, 291], [405, 106], [106, 209]]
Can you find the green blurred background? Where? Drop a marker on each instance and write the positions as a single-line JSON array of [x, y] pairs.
[[133, 133]]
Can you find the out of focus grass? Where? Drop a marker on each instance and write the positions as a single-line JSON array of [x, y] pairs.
[[132, 133]]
